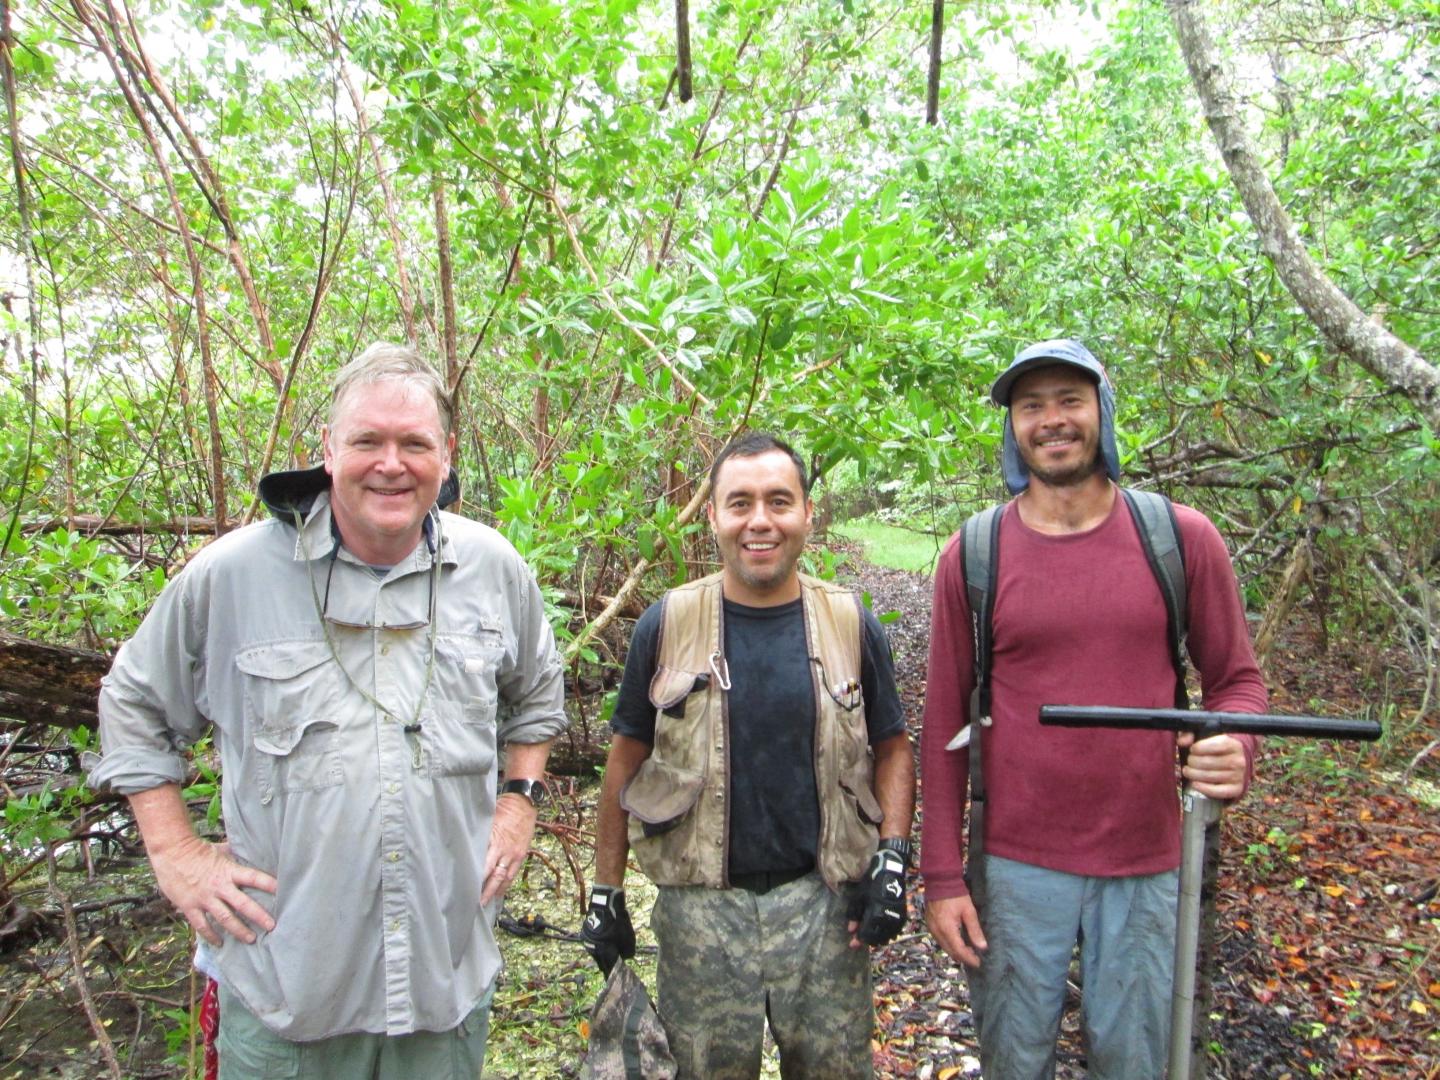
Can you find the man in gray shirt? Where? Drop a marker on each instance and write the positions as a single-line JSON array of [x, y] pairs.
[[360, 658]]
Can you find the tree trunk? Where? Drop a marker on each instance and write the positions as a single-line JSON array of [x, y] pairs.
[[98, 525], [1348, 330], [1296, 573], [682, 48]]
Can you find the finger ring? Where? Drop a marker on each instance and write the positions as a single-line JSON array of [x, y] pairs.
[[504, 865]]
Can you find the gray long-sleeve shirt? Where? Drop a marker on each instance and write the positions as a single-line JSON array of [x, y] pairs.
[[374, 821]]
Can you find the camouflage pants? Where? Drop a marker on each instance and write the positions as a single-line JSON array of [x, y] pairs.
[[730, 960]]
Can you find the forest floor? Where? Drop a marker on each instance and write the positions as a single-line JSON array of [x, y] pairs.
[[1329, 925]]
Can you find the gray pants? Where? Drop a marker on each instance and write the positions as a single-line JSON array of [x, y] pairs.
[[731, 959], [1032, 919]]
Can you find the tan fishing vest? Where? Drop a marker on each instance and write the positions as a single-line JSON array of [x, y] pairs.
[[679, 816]]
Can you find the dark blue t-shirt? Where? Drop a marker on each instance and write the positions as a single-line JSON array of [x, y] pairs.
[[774, 808]]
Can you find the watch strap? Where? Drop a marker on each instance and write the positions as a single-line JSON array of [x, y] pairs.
[[898, 844], [534, 790]]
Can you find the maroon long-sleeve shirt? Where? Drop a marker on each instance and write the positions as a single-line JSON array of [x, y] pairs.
[[1078, 620]]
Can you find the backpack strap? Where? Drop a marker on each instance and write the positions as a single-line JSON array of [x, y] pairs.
[[979, 553], [1154, 517], [981, 565]]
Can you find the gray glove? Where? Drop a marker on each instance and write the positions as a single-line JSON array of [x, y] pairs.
[[607, 932]]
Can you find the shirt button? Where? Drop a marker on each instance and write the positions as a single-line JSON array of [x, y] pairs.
[[393, 789], [394, 856], [395, 925], [384, 650]]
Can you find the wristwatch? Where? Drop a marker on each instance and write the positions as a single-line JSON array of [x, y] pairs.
[[899, 845], [534, 790]]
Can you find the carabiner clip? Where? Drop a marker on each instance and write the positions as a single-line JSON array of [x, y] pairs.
[[721, 670]]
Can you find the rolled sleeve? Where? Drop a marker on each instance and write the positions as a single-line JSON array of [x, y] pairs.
[[131, 770], [148, 709]]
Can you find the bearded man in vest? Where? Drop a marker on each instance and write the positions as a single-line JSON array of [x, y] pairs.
[[1081, 834], [762, 775]]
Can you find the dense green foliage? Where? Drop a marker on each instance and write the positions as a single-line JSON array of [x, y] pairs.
[[207, 207], [633, 277]]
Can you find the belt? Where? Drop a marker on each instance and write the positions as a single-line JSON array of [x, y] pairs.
[[765, 880]]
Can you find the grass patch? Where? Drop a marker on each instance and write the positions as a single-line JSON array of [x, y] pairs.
[[892, 546]]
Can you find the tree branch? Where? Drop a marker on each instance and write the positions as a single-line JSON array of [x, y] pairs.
[[207, 180], [1348, 330], [87, 15], [77, 964], [932, 81]]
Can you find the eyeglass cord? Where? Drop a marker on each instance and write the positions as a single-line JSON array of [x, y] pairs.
[[414, 726]]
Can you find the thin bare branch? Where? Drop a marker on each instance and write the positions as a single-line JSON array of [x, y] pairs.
[[932, 80], [682, 48]]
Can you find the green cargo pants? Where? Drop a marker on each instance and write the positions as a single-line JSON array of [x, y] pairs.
[[251, 1051]]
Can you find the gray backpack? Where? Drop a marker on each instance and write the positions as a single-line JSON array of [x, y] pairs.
[[627, 1041]]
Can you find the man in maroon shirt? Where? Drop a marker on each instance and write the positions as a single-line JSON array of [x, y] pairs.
[[1082, 829]]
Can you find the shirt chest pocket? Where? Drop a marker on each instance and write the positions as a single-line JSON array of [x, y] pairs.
[[459, 733], [292, 696]]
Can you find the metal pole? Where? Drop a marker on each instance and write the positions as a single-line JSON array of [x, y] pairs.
[[1194, 936], [1200, 851]]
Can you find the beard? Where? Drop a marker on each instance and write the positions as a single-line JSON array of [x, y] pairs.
[[1067, 476]]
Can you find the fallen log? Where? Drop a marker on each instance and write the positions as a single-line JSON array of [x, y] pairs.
[[49, 684]]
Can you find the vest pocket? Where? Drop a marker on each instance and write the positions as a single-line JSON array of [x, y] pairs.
[[670, 686], [854, 827], [858, 793], [660, 794]]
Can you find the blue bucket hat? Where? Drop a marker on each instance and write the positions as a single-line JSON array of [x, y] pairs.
[[1071, 353]]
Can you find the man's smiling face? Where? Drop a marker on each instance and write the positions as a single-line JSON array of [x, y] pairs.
[[1055, 413], [386, 454], [761, 519]]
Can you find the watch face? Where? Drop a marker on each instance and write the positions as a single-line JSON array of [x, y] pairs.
[[534, 790]]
